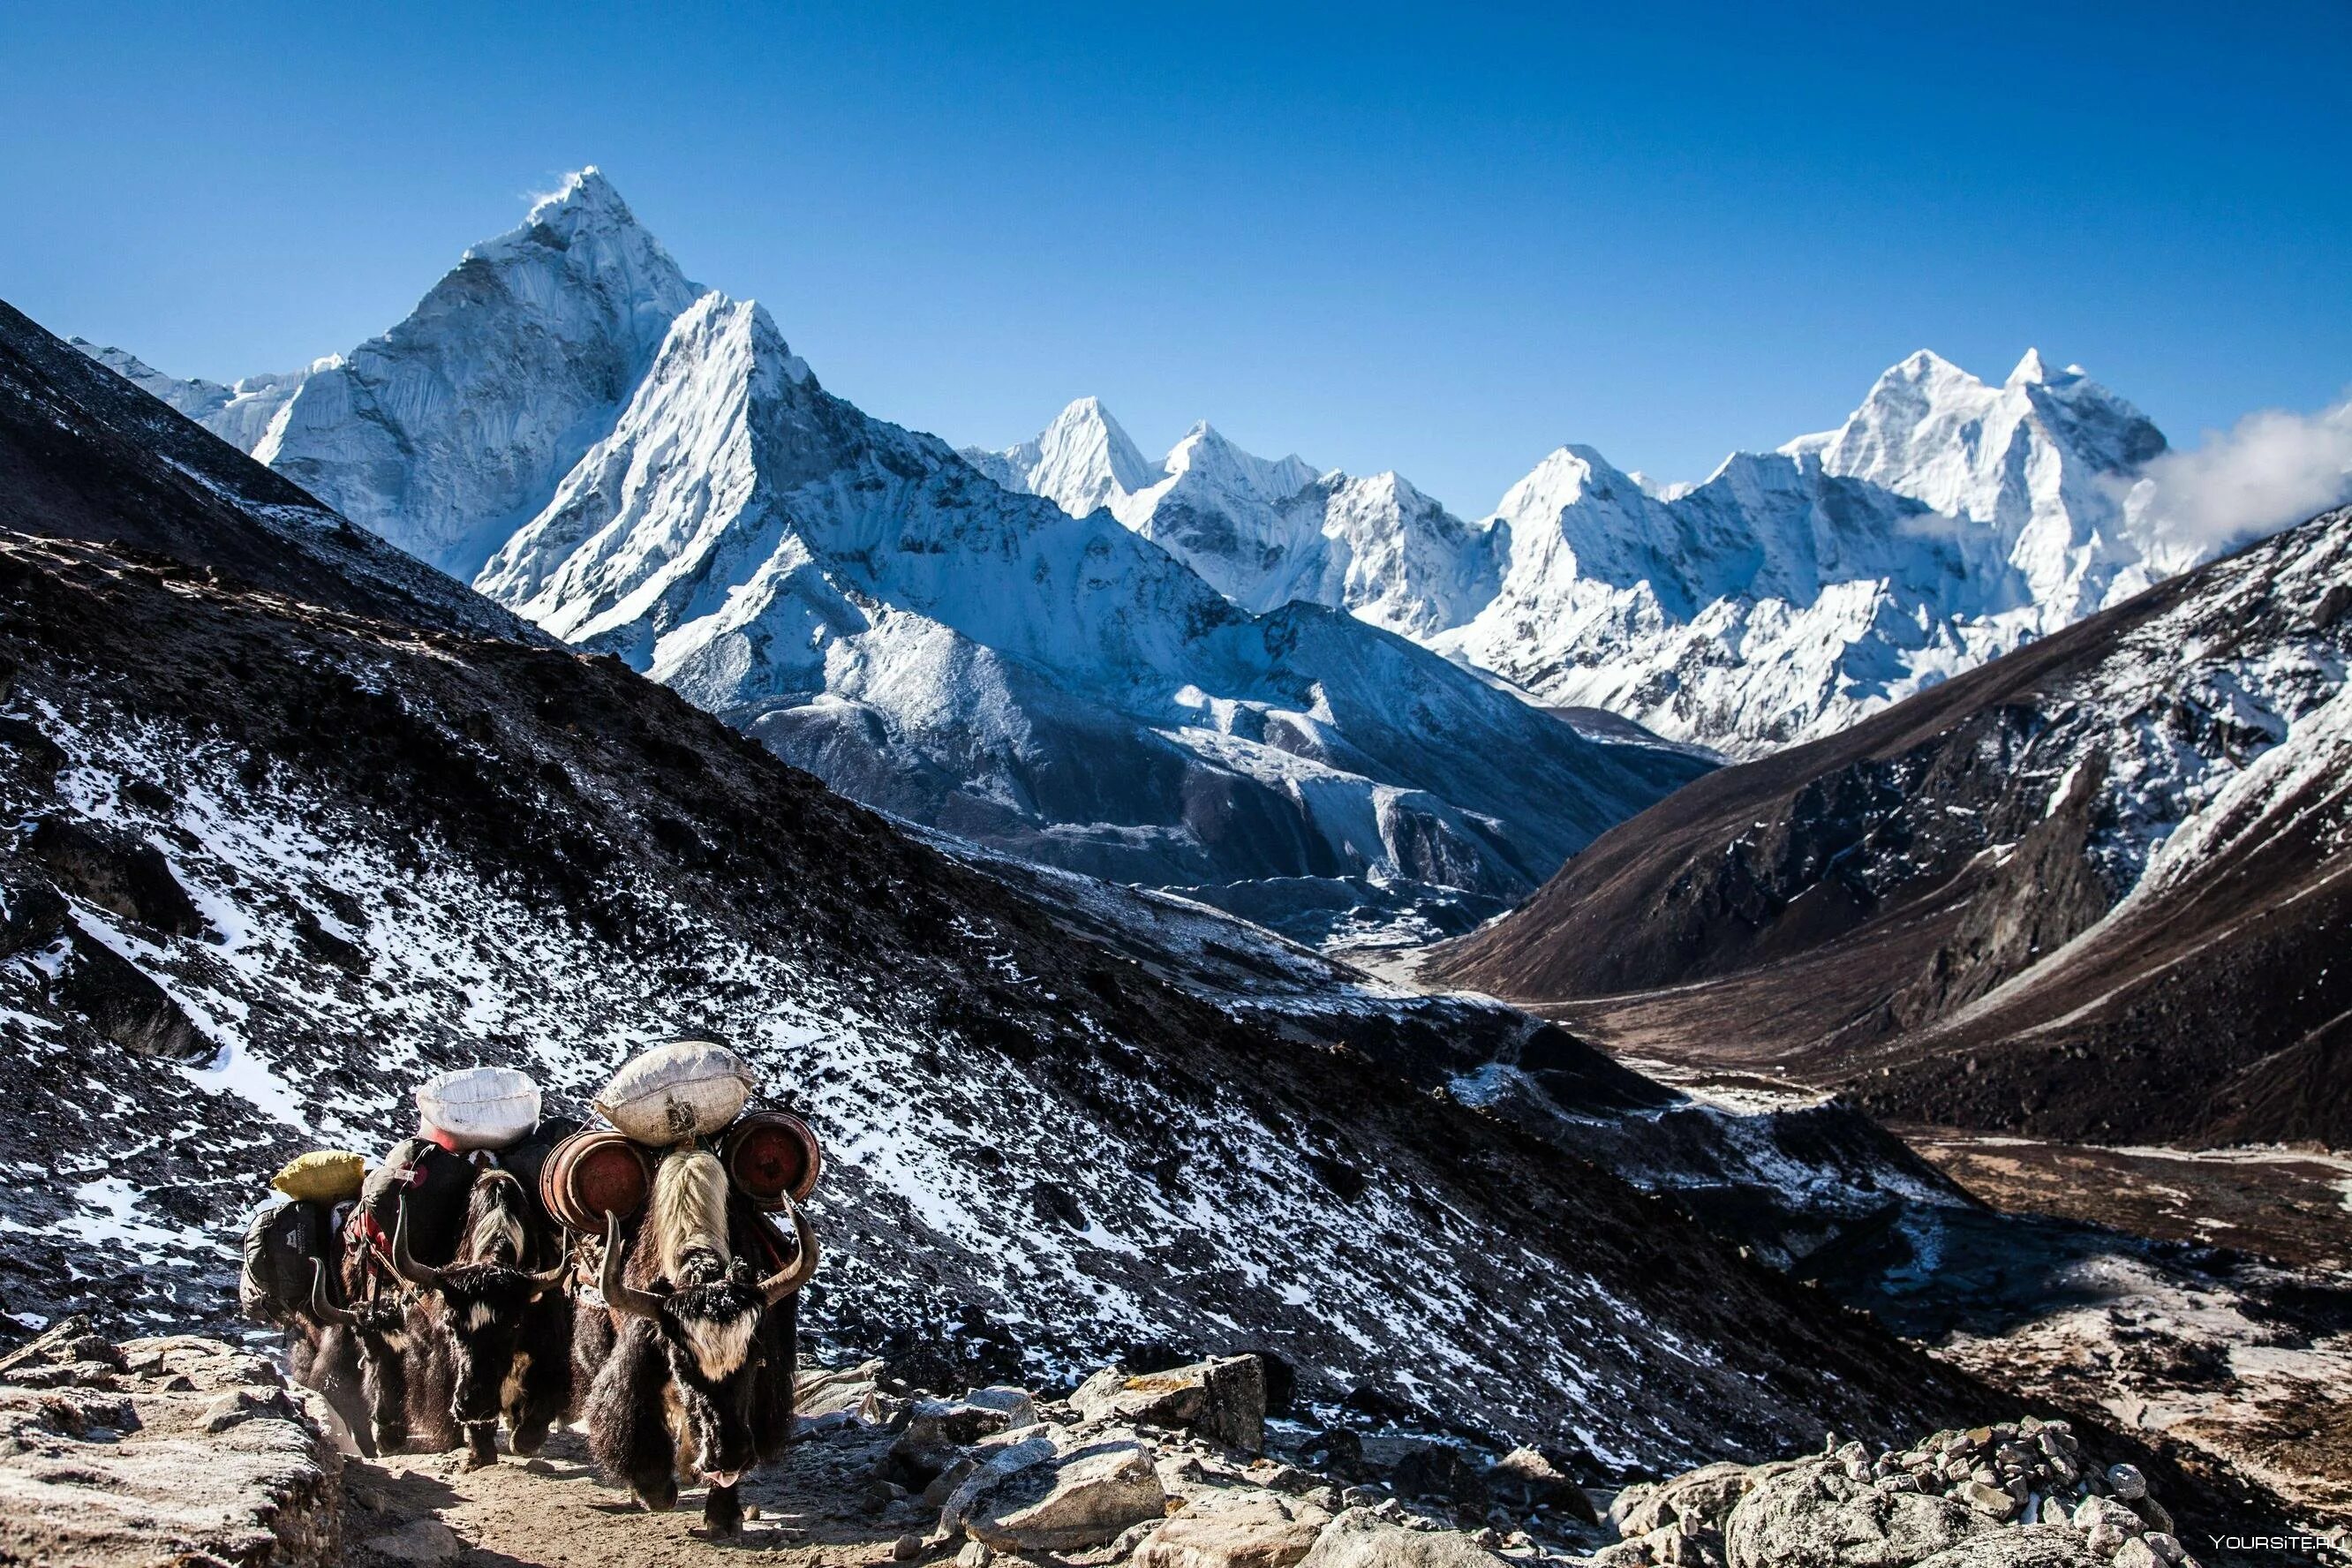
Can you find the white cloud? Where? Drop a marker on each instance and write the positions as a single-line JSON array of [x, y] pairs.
[[2270, 471]]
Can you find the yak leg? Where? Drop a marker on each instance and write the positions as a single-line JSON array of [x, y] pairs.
[[773, 1393], [540, 1391], [431, 1387], [592, 1346], [628, 1417], [722, 1512], [481, 1444]]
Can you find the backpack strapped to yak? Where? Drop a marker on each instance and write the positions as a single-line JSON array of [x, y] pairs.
[[289, 1245]]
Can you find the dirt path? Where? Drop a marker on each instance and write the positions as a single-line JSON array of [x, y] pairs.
[[552, 1510]]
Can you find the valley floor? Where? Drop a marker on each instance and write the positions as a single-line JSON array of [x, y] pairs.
[[2201, 1298]]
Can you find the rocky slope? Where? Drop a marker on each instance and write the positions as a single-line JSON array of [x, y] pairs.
[[278, 857], [1193, 1466], [643, 467], [2043, 895]]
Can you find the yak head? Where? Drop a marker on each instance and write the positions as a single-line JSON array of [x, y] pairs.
[[477, 1302], [709, 1315]]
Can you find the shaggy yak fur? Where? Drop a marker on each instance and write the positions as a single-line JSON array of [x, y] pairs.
[[488, 1335], [322, 1351], [699, 1372]]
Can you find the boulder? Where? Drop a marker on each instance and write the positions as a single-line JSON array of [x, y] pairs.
[[1443, 1472], [1704, 1497], [1234, 1529], [1079, 1502], [2027, 1546], [1359, 1539], [821, 1391], [1814, 1515], [427, 1542], [1526, 1479], [149, 1471], [2108, 1523], [1221, 1399]]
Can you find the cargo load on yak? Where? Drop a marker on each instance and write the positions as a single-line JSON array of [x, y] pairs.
[[286, 1243], [433, 1183], [686, 1088], [478, 1108]]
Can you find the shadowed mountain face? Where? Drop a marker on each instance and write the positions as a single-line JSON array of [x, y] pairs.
[[2099, 888], [295, 837]]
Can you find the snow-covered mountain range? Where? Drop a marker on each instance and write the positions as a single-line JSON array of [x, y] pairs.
[[1264, 534], [2047, 895], [1787, 595], [643, 467]]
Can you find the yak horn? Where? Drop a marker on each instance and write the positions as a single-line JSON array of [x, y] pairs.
[[540, 1284], [407, 1267], [621, 1297], [326, 1312], [796, 1274]]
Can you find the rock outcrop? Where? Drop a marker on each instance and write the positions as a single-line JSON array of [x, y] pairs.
[[179, 1450], [2018, 1494]]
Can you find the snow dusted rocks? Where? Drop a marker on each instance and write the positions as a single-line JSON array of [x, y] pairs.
[[177, 1450], [2015, 1493]]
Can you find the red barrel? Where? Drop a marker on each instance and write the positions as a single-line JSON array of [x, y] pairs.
[[594, 1173], [770, 1155]]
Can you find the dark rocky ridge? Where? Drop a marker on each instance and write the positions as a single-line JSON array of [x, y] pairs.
[[1931, 909], [412, 844]]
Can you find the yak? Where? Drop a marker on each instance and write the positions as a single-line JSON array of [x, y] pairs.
[[481, 1336], [700, 1374]]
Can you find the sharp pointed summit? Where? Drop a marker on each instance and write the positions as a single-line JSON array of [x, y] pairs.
[[642, 467]]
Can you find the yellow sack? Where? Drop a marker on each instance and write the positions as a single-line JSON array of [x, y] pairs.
[[323, 1175]]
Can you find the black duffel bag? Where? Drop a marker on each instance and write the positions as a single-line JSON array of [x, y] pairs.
[[283, 1244]]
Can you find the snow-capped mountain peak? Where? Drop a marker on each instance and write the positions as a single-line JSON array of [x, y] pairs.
[[448, 432], [1945, 521], [1083, 461], [1264, 531]]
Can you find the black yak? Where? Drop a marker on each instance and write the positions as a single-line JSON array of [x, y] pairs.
[[485, 1335], [700, 1376]]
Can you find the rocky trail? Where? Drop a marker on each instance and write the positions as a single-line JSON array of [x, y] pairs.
[[193, 1452]]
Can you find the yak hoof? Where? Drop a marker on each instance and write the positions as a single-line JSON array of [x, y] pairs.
[[722, 1513], [481, 1446]]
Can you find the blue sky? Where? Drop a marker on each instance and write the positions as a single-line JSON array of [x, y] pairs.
[[1442, 239]]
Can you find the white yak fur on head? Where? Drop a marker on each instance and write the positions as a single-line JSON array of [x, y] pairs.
[[689, 1212], [497, 1236]]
